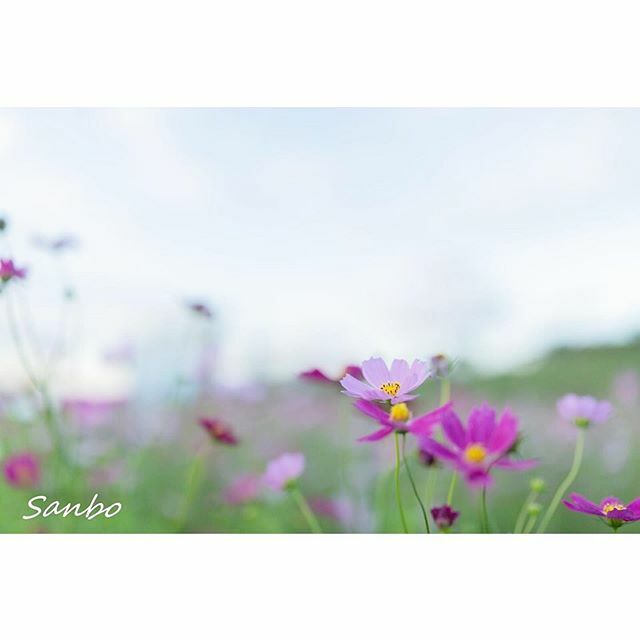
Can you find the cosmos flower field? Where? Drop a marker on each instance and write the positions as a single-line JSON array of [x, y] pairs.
[[421, 446]]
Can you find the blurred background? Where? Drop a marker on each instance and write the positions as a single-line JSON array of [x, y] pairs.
[[184, 263]]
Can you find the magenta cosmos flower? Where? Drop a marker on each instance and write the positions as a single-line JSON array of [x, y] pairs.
[[8, 271], [218, 430], [317, 375], [444, 517], [400, 419], [583, 411], [22, 470], [283, 471], [612, 511], [381, 383], [485, 444]]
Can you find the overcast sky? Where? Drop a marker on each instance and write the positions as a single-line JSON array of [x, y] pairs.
[[325, 236]]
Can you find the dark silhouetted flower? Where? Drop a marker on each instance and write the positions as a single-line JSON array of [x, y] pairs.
[[218, 430], [444, 517]]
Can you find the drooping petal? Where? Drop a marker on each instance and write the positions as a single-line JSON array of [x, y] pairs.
[[453, 429], [438, 450], [423, 425], [355, 388], [579, 503], [372, 410], [504, 434], [482, 421], [375, 372], [377, 435], [634, 505], [516, 465]]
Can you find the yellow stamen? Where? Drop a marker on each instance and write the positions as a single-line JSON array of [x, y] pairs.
[[475, 453], [400, 412], [608, 508], [391, 388]]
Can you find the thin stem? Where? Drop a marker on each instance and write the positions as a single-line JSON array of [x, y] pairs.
[[413, 486], [445, 391], [397, 479], [522, 515], [194, 475], [530, 524], [308, 514], [452, 487], [565, 484], [485, 515]]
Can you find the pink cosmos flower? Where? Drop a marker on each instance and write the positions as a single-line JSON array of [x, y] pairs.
[[8, 271], [444, 517], [612, 511], [284, 470], [583, 411], [316, 375], [22, 470], [338, 509], [485, 444], [394, 384], [218, 430], [399, 419], [242, 489]]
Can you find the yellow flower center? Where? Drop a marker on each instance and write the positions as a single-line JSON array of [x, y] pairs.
[[475, 453], [608, 508], [391, 388], [400, 412]]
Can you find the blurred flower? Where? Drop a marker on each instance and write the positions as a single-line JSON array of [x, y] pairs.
[[399, 419], [8, 271], [338, 509], [537, 485], [626, 388], [440, 365], [61, 243], [282, 471], [200, 309], [583, 410], [316, 375], [91, 413], [444, 517], [482, 446], [426, 458], [382, 384], [611, 510], [22, 470], [218, 430], [242, 489]]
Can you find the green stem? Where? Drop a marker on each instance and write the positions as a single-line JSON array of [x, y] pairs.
[[194, 476], [308, 514], [530, 524], [565, 484], [452, 487], [413, 486], [522, 515], [397, 479], [485, 515], [445, 391]]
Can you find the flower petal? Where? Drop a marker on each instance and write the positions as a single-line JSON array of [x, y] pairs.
[[453, 429], [438, 450], [423, 425], [482, 421], [579, 503], [399, 372], [355, 388], [504, 434], [372, 410], [377, 435], [375, 372]]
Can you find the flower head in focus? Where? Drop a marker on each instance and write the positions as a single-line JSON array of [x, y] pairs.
[[383, 383], [8, 271], [444, 517], [317, 375], [613, 512], [243, 489], [283, 471], [583, 411], [22, 470], [484, 444], [218, 430], [399, 418]]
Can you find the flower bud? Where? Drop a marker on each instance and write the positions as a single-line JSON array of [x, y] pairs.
[[538, 485], [534, 508]]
